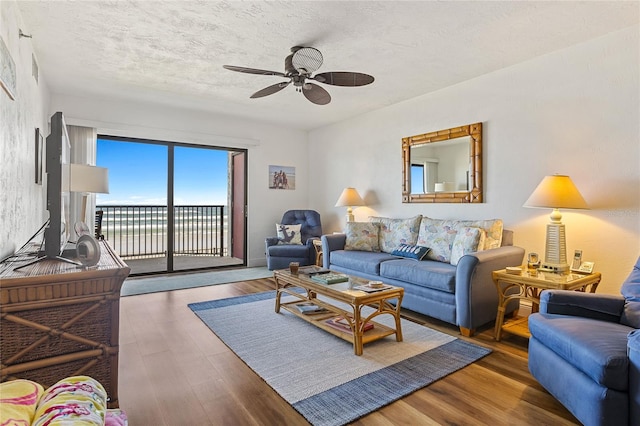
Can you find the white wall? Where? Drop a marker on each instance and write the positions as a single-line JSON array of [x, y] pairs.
[[575, 112], [22, 202], [266, 144]]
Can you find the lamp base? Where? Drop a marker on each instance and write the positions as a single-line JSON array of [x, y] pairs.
[[555, 249], [552, 267]]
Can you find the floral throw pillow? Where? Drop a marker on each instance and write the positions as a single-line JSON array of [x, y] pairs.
[[438, 235], [467, 240], [362, 236], [394, 232], [492, 229], [288, 234]]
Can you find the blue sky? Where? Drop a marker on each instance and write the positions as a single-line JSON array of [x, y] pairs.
[[138, 174]]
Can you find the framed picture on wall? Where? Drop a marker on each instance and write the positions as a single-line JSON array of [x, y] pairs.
[[282, 177], [39, 151]]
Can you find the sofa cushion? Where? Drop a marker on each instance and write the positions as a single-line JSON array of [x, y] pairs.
[[394, 232], [288, 234], [361, 261], [492, 227], [467, 240], [438, 235], [411, 251], [428, 273], [362, 236], [597, 348]]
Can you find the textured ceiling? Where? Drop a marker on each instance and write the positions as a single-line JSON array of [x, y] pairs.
[[172, 52]]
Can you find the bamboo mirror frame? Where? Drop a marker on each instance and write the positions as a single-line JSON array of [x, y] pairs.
[[473, 194]]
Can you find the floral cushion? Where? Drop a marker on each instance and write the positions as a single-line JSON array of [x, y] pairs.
[[394, 232], [491, 227], [78, 400], [288, 234], [18, 401], [438, 235], [362, 236], [467, 240]]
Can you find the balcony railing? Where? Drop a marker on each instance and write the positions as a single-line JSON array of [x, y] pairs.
[[142, 231]]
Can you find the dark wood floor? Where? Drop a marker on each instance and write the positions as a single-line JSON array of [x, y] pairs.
[[174, 371]]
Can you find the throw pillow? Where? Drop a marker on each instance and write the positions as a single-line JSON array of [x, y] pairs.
[[288, 234], [438, 235], [467, 240], [394, 232], [411, 251], [19, 401], [492, 229], [362, 236]]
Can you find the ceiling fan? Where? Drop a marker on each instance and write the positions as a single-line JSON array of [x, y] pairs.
[[299, 66]]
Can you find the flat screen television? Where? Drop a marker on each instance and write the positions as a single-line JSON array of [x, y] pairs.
[[58, 229], [58, 155]]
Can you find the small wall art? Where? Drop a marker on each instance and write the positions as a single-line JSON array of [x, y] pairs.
[[282, 177], [39, 152], [7, 71]]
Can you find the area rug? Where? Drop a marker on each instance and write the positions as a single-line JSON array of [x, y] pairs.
[[318, 373], [133, 286]]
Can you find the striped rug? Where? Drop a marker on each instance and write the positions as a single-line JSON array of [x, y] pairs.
[[318, 373]]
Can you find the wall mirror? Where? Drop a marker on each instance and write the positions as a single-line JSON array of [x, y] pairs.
[[443, 166]]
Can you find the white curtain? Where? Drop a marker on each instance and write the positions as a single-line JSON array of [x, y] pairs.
[[83, 151]]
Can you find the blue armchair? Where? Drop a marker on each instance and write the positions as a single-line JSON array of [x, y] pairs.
[[585, 350], [280, 255]]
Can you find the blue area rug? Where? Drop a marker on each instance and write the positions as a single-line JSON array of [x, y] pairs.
[[133, 286], [317, 373]]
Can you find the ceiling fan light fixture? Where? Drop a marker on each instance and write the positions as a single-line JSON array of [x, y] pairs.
[[307, 60]]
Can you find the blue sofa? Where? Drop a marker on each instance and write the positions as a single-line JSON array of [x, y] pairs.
[[585, 350], [462, 294]]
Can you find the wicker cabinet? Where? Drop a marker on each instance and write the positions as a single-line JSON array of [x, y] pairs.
[[58, 320]]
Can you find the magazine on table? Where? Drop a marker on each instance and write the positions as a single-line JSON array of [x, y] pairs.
[[370, 289], [330, 278], [340, 323], [310, 308], [313, 270]]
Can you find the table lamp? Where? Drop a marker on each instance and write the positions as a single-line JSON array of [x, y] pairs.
[[349, 198], [556, 192], [88, 179]]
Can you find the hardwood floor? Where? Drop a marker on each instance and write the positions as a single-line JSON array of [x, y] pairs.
[[174, 371]]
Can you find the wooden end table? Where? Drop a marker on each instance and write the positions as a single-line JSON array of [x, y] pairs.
[[528, 285]]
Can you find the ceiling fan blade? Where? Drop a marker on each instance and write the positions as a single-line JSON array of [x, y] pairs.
[[270, 90], [344, 78], [252, 70], [316, 94]]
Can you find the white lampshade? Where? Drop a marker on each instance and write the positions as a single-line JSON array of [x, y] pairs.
[[85, 178], [556, 192], [350, 198]]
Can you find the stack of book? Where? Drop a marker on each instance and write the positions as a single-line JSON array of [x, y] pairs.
[[330, 278], [310, 308], [340, 323]]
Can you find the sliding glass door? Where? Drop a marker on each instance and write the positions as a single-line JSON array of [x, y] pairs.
[[169, 205]]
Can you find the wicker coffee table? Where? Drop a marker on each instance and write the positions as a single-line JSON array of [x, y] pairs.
[[290, 284]]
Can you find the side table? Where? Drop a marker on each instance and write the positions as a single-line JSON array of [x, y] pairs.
[[317, 245], [527, 286]]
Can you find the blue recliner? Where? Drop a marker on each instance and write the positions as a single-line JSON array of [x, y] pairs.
[[585, 350], [280, 255]]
